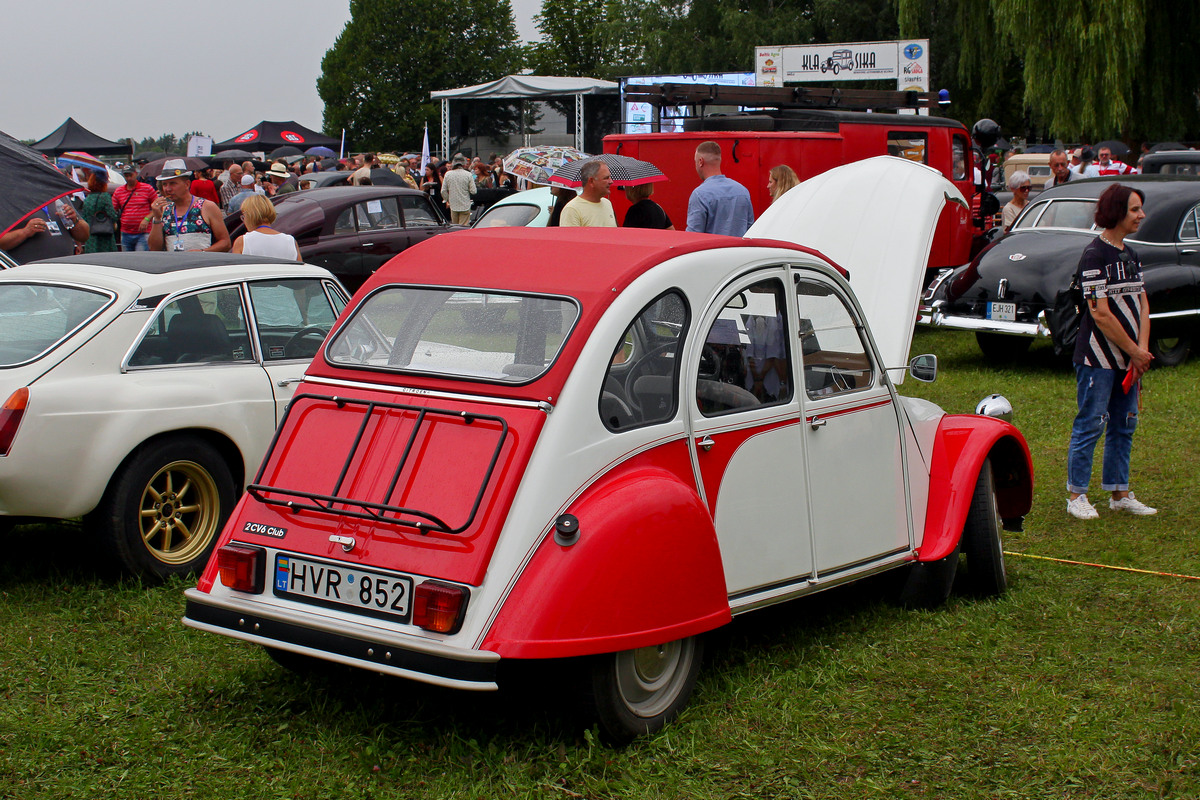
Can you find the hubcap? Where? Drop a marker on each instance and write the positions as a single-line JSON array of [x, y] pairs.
[[179, 512], [651, 678]]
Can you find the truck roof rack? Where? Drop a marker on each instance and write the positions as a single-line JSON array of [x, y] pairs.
[[782, 97]]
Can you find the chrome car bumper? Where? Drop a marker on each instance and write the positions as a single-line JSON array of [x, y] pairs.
[[932, 315]]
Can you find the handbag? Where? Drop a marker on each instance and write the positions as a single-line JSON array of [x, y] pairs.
[[102, 223], [1065, 316]]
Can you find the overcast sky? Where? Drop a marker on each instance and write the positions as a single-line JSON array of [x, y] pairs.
[[137, 68]]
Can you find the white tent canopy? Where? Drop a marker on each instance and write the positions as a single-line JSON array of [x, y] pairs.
[[520, 87]]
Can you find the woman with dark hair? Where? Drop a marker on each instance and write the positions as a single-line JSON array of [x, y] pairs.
[[1111, 355], [100, 215], [562, 196]]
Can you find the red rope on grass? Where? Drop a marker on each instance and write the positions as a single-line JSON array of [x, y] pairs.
[[1105, 566]]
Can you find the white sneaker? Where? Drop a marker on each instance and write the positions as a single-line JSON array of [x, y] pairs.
[[1132, 505], [1080, 508]]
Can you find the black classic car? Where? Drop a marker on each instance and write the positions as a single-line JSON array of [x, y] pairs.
[[1004, 295], [353, 230]]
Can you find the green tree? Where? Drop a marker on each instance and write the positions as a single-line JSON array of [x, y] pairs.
[[1079, 69], [376, 79]]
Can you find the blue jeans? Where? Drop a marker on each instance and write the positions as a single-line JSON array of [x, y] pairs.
[[1102, 404], [134, 241]]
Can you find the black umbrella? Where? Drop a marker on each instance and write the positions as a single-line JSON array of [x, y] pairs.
[[233, 155], [1119, 150], [285, 151], [625, 171], [149, 155], [150, 171], [29, 181], [1163, 147], [382, 176], [329, 163]]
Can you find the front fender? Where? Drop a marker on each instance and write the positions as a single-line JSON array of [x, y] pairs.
[[960, 446], [646, 569]]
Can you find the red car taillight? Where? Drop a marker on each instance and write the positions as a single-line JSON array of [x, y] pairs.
[[10, 417], [439, 607], [242, 568]]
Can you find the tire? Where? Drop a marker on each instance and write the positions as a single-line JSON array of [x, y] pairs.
[[981, 542], [1170, 351], [164, 509], [636, 692], [1002, 347], [928, 583]]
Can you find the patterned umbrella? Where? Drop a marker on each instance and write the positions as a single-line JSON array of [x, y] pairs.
[[538, 164], [77, 158], [625, 171]]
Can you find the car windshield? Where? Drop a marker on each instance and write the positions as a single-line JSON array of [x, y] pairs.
[[1064, 213], [492, 336], [514, 215], [34, 318]]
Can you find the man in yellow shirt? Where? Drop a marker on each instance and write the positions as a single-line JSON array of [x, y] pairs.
[[592, 208]]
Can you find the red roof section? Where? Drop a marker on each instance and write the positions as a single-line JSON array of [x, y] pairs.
[[592, 265]]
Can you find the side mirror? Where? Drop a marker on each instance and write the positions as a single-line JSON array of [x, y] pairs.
[[923, 368]]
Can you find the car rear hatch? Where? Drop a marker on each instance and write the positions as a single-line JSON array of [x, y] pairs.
[[392, 479]]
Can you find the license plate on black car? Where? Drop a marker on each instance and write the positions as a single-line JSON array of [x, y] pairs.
[[1002, 311], [339, 585]]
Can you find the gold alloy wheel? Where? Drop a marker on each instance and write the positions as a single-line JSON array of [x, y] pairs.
[[179, 512]]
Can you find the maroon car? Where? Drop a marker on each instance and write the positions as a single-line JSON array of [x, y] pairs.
[[353, 230]]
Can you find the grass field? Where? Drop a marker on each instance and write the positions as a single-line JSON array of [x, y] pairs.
[[1079, 683]]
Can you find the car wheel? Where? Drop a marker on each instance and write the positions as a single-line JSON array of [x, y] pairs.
[[981, 542], [1170, 351], [637, 692], [1001, 347], [163, 511], [928, 583]]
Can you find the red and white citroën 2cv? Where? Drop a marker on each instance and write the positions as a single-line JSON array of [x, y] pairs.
[[521, 444]]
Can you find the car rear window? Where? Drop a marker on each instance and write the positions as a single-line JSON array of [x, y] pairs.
[[516, 215], [491, 336], [1077, 214], [35, 318]]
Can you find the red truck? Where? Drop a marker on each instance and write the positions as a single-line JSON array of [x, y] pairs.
[[810, 140]]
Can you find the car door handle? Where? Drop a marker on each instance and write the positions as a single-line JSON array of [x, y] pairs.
[[1188, 252], [287, 382], [368, 244], [817, 422], [706, 443]]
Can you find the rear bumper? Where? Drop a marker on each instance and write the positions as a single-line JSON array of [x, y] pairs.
[[356, 646], [935, 316]]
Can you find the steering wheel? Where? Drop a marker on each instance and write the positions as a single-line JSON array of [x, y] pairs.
[[640, 366], [308, 330], [710, 363]]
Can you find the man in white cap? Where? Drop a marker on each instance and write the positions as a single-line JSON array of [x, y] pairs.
[[245, 189], [179, 221]]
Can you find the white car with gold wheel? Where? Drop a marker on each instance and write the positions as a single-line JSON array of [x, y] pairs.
[[140, 391]]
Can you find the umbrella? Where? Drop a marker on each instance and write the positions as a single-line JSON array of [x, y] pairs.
[[389, 158], [285, 151], [538, 164], [151, 170], [29, 181], [233, 155], [381, 176], [625, 171], [1163, 147], [78, 158], [329, 163], [149, 155], [1119, 150], [320, 150]]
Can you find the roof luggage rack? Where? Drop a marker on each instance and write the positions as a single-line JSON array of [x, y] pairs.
[[685, 94], [379, 511]]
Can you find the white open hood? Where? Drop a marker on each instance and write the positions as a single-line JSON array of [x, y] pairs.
[[875, 218]]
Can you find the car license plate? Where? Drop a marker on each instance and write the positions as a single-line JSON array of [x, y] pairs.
[[1002, 311], [340, 585]]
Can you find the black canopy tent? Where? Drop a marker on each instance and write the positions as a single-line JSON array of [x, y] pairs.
[[73, 136], [266, 136]]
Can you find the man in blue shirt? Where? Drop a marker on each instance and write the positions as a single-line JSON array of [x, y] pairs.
[[719, 204]]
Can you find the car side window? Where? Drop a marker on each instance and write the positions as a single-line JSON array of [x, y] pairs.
[[641, 384], [909, 144], [201, 327], [380, 214], [1190, 229], [418, 213], [745, 360], [831, 343], [958, 158], [293, 317], [345, 222]]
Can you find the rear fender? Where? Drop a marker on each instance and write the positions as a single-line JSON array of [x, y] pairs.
[[961, 444], [646, 569]]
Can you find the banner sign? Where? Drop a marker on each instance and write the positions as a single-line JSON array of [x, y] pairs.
[[905, 61]]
